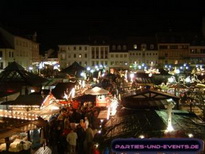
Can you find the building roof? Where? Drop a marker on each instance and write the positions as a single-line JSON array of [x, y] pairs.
[[175, 37], [16, 74], [148, 40], [74, 69], [5, 44]]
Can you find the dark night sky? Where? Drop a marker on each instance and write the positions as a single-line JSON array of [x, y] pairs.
[[55, 21]]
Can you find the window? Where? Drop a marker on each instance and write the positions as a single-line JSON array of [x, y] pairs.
[[116, 55], [135, 46], [1, 54], [163, 47], [102, 49], [80, 48], [80, 56], [62, 56], [102, 55], [93, 54], [106, 52], [124, 47], [143, 46], [125, 55], [97, 49], [85, 48], [113, 47], [1, 65], [111, 56], [74, 55], [174, 47], [119, 47], [93, 49], [74, 48], [151, 46], [85, 55]]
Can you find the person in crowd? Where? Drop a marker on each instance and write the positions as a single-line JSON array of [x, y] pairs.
[[88, 143], [82, 124], [80, 140], [72, 141], [86, 122]]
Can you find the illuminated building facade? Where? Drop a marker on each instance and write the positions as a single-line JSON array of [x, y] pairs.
[[24, 51]]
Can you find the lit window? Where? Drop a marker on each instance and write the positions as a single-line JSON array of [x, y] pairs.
[[80, 56], [135, 46]]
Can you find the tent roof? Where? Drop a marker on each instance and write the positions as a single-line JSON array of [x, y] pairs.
[[9, 126], [16, 74], [32, 99], [96, 91], [86, 98], [73, 69], [61, 88], [132, 123], [128, 123]]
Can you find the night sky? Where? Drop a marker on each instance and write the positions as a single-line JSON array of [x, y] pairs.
[[56, 21]]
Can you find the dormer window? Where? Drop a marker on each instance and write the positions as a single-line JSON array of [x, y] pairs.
[[135, 46], [113, 47], [119, 47], [143, 46], [151, 46]]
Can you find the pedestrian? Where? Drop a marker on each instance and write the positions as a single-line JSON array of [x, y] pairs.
[[88, 143], [81, 138], [72, 140]]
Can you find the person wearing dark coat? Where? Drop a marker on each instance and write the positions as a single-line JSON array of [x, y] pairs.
[[81, 138]]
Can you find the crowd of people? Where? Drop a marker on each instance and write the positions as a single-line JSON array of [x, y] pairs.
[[73, 130]]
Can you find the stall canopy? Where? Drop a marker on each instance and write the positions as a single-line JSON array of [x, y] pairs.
[[86, 98], [148, 99], [32, 99], [9, 126], [74, 69], [62, 88], [96, 91]]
